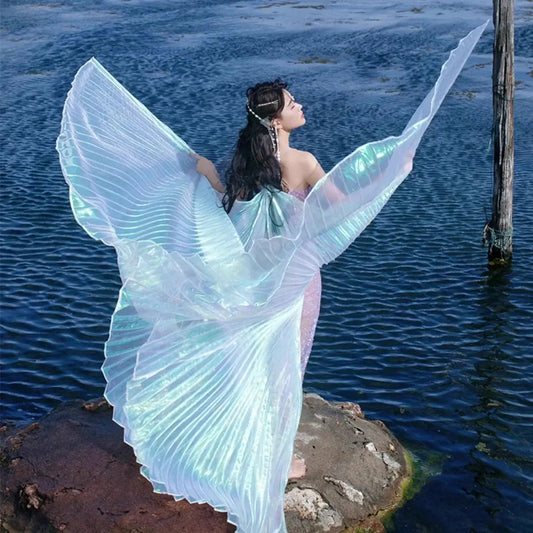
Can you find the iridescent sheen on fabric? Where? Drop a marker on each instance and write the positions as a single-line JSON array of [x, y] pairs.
[[310, 306], [203, 361]]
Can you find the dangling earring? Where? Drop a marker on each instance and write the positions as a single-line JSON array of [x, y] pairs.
[[276, 149], [273, 132]]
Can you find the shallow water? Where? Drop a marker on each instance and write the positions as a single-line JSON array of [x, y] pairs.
[[413, 325]]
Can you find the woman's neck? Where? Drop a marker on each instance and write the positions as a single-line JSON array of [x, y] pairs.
[[283, 137]]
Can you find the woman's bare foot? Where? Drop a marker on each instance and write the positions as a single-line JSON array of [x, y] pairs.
[[298, 468]]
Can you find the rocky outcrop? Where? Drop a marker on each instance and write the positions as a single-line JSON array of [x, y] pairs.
[[72, 472], [355, 470]]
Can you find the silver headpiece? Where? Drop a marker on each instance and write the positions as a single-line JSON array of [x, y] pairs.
[[268, 103], [264, 121], [268, 125]]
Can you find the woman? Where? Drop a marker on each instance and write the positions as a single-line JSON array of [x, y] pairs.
[[204, 357], [264, 158]]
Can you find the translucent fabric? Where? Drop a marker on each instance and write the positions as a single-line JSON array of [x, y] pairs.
[[310, 307], [203, 362]]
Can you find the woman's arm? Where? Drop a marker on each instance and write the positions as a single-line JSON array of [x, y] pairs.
[[315, 170], [315, 173], [207, 169]]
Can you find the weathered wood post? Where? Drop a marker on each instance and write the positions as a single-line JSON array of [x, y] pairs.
[[499, 231]]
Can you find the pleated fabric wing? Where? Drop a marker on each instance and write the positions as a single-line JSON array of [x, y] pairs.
[[203, 357]]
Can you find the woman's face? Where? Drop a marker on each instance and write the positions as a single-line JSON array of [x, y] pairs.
[[291, 116]]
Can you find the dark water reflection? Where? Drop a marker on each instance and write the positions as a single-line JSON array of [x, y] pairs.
[[413, 326]]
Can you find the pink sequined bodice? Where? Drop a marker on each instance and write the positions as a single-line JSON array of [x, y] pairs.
[[301, 195]]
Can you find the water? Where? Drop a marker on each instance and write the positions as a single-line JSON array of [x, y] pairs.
[[413, 325]]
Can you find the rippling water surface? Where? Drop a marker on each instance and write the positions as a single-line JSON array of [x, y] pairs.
[[413, 325]]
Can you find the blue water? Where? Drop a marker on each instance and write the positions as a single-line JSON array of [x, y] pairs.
[[414, 326]]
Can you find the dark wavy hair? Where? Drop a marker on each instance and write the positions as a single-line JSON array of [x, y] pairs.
[[254, 165]]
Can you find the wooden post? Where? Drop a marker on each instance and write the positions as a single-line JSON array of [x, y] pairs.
[[499, 231]]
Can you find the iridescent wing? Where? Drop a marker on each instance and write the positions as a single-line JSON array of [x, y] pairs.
[[202, 362]]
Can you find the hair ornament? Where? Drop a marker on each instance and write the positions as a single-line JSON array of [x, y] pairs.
[[272, 132], [268, 103], [264, 121]]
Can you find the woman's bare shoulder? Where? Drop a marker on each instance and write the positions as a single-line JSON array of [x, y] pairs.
[[311, 167], [306, 159], [300, 169]]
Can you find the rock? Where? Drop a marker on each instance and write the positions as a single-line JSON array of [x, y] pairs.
[[72, 472], [347, 490], [75, 474], [309, 505], [355, 467]]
